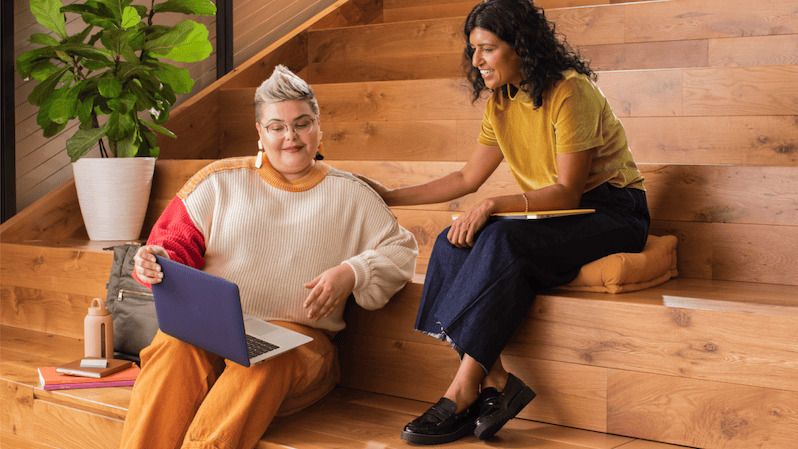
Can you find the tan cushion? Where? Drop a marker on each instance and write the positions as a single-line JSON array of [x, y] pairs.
[[628, 272]]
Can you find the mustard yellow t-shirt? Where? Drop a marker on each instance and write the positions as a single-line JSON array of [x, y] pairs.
[[574, 116]]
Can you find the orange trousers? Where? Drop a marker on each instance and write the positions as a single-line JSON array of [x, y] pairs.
[[190, 398]]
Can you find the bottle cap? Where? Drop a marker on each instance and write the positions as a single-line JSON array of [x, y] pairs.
[[99, 309]]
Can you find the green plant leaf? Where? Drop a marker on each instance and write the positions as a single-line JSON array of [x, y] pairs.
[[28, 60], [123, 104], [110, 40], [82, 141], [43, 39], [43, 90], [89, 10], [120, 126], [144, 97], [129, 146], [141, 10], [149, 143], [109, 87], [130, 17], [177, 77], [84, 109], [63, 107], [85, 51], [80, 37], [48, 14], [115, 6], [96, 13], [127, 70], [187, 42], [42, 70], [159, 128], [94, 65], [199, 7]]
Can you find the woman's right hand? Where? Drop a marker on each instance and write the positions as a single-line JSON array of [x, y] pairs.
[[145, 264], [463, 231], [381, 190]]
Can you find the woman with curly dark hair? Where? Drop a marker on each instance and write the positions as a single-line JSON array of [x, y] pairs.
[[566, 149]]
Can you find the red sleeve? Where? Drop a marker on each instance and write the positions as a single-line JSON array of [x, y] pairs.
[[175, 231]]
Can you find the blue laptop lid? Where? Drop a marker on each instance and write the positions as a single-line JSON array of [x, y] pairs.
[[201, 309]]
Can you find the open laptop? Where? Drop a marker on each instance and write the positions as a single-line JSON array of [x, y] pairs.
[[205, 311]]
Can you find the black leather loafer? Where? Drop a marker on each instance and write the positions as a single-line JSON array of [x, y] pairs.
[[440, 424], [498, 408]]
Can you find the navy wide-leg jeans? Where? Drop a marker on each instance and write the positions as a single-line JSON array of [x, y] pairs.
[[475, 298]]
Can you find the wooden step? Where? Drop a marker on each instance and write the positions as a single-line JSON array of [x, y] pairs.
[[33, 418], [615, 363]]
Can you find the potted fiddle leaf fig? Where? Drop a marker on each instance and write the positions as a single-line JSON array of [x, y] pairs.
[[113, 74]]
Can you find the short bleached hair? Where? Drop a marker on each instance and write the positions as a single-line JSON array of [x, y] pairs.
[[284, 85]]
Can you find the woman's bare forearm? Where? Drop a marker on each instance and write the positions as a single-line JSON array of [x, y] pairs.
[[439, 190]]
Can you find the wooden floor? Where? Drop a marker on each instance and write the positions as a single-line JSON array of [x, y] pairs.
[[374, 421], [345, 419]]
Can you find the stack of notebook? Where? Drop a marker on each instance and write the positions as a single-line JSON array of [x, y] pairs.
[[85, 373]]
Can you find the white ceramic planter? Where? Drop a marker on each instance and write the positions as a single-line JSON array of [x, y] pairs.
[[113, 195]]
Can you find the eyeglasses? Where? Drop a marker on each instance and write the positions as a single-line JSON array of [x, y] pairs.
[[278, 130]]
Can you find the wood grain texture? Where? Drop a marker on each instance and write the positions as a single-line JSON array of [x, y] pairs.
[[397, 11], [430, 37], [643, 93], [652, 338], [351, 13], [392, 367], [723, 194], [76, 272], [10, 441], [379, 67], [712, 251], [743, 140], [696, 19], [701, 414], [16, 415], [55, 216], [196, 126], [44, 310], [646, 55], [753, 51], [432, 140], [741, 91], [56, 425], [397, 100], [769, 252]]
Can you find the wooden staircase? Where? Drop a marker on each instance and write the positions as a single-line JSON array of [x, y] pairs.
[[707, 92]]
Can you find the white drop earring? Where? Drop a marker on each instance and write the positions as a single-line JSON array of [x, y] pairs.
[[259, 159]]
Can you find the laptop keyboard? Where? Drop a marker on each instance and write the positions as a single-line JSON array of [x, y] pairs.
[[256, 346]]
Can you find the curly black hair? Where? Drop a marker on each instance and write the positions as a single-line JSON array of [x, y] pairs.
[[544, 56]]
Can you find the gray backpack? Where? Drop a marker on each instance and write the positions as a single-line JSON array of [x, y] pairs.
[[131, 305]]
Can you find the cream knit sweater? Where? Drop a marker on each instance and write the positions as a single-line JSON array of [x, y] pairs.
[[271, 236]]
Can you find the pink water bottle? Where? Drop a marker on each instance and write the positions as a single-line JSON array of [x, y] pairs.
[[98, 331]]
